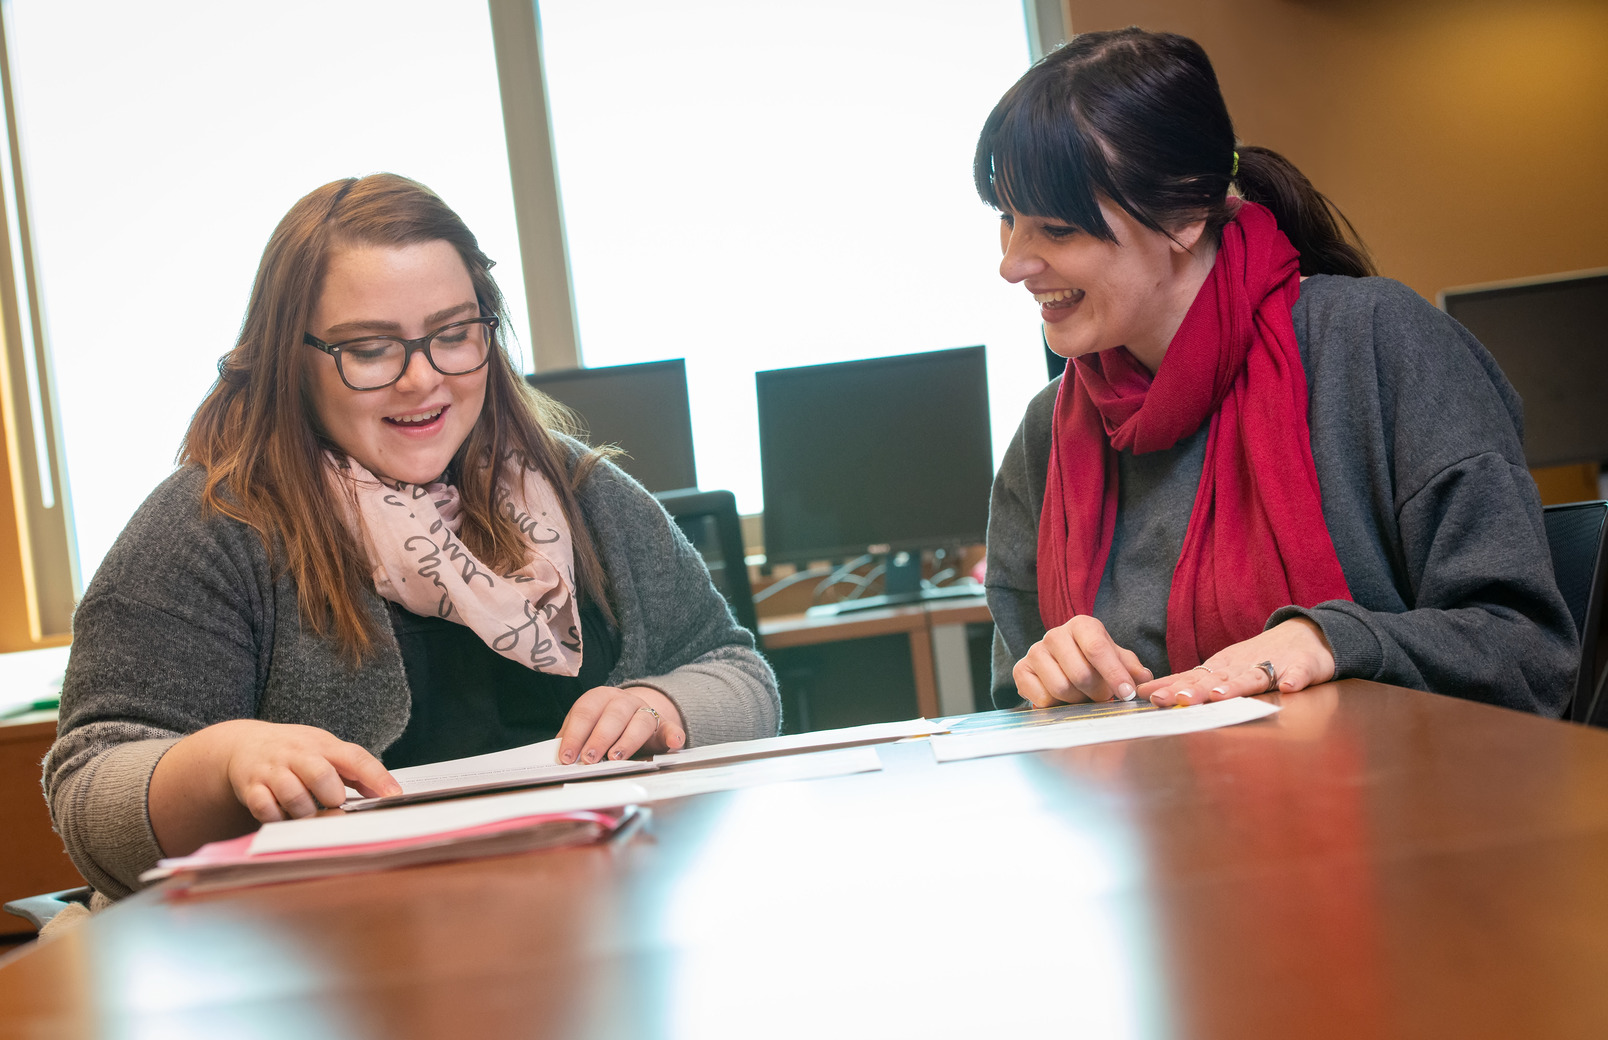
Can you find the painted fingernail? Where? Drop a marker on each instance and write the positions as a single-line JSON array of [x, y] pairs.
[[1126, 691], [1184, 696], [1220, 691]]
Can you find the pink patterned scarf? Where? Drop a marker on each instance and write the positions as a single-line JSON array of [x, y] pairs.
[[410, 533]]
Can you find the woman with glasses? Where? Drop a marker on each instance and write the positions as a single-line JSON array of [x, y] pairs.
[[376, 553], [1263, 468]]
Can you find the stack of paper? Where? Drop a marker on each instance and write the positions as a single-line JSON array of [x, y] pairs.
[[406, 836]]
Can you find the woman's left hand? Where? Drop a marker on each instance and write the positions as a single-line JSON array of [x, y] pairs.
[[607, 721], [1296, 649]]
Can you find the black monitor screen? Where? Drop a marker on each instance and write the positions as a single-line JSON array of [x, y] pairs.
[[890, 451], [1551, 339], [641, 408]]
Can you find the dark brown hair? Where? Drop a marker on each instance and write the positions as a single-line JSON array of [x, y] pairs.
[[257, 434], [1138, 118]]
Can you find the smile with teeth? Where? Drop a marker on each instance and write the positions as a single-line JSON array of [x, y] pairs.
[[416, 419], [1059, 296]]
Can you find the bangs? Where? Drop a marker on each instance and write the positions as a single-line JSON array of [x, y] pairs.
[[1034, 158]]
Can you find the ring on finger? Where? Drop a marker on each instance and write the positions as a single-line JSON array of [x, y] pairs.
[[657, 718], [1272, 676]]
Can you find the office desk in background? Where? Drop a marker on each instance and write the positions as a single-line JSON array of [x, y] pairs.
[[1368, 862], [32, 859], [927, 659]]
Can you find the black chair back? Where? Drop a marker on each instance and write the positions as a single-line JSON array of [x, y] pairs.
[[1576, 536], [709, 520]]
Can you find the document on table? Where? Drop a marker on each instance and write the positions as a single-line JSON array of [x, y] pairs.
[[336, 830], [408, 836], [1076, 730], [874, 733], [679, 783], [527, 766]]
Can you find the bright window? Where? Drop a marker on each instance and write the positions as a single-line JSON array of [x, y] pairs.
[[752, 186], [162, 142]]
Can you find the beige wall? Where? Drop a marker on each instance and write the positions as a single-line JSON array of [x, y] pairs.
[[1466, 139]]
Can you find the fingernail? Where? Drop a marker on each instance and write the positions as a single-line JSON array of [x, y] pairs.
[[616, 754], [1185, 696], [569, 756], [1126, 691], [1221, 691], [591, 756]]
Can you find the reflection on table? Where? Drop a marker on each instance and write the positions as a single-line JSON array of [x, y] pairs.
[[1369, 861]]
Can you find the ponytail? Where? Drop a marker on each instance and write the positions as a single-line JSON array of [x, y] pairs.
[[1312, 223]]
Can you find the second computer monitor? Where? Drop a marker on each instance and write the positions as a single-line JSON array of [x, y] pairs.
[[889, 452], [641, 408], [1550, 335]]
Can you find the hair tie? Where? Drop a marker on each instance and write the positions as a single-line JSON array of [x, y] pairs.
[[1235, 171]]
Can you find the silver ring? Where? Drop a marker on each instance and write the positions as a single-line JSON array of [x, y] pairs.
[[1272, 676], [657, 718]]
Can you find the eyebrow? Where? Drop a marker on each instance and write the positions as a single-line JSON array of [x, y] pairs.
[[392, 328]]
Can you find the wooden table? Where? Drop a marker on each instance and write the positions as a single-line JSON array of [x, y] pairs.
[[1369, 862]]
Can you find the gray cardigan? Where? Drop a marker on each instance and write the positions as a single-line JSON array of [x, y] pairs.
[[184, 625], [1436, 521]]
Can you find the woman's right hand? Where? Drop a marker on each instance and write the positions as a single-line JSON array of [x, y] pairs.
[[1075, 662], [280, 771], [206, 785]]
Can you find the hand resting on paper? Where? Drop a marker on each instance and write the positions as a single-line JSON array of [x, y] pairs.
[[1077, 661], [1296, 649], [618, 723], [221, 781]]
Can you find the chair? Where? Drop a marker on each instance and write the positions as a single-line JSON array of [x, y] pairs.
[[38, 910], [709, 520], [1575, 534]]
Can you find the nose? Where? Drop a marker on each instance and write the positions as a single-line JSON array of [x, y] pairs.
[[419, 376], [1020, 260]]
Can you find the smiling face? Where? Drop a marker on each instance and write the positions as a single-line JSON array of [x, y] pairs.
[[410, 430], [1094, 295]]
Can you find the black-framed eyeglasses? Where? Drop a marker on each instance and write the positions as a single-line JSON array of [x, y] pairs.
[[375, 362]]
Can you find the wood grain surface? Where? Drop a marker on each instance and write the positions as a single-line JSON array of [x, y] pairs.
[[1368, 862]]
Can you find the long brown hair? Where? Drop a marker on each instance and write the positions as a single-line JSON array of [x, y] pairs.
[[1139, 118], [257, 433]]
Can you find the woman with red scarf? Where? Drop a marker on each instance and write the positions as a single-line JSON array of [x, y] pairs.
[[1264, 468]]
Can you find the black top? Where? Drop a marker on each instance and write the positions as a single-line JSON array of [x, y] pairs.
[[470, 700]]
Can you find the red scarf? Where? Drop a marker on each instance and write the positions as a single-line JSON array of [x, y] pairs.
[[1257, 539]]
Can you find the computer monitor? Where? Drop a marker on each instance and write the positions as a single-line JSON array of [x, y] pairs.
[[1550, 335], [880, 455], [641, 408]]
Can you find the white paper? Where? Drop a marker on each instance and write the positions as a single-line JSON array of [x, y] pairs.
[[824, 738], [1075, 732], [417, 821], [683, 782], [531, 764]]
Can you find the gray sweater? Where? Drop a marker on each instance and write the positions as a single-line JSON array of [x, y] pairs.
[[184, 625], [1436, 521]]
